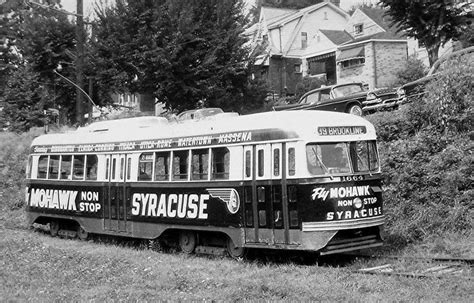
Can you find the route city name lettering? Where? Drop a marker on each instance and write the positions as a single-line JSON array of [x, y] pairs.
[[191, 206], [354, 214], [340, 192]]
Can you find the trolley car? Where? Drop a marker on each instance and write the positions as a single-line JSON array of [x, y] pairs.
[[295, 180]]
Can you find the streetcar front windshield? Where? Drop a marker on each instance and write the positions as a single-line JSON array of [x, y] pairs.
[[342, 157]]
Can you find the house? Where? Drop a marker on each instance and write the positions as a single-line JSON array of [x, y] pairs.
[[284, 38], [376, 52], [323, 41], [138, 102]]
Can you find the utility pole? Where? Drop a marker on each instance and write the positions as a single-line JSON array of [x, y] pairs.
[[80, 37]]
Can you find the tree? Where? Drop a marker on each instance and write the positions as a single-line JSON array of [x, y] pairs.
[[46, 40], [25, 99], [432, 22], [43, 39], [180, 51], [9, 55]]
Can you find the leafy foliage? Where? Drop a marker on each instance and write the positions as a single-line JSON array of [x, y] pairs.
[[180, 51], [427, 158], [432, 22], [45, 38], [13, 157], [414, 69], [24, 101]]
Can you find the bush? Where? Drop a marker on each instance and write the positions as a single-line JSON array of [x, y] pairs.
[[427, 159], [414, 69], [13, 158]]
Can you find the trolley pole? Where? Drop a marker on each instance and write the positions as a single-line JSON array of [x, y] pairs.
[[80, 37]]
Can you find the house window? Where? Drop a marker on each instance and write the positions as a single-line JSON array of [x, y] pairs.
[[359, 29], [304, 39], [297, 68], [353, 62], [325, 15]]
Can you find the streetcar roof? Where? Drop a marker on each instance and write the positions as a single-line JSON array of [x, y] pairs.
[[296, 124]]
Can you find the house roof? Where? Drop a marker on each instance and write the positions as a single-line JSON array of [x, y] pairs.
[[307, 10], [271, 13], [336, 37], [352, 53], [378, 36], [378, 15]]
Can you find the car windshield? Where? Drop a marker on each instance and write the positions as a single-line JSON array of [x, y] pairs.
[[345, 90], [342, 157]]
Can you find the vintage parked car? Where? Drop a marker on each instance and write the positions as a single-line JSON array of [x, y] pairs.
[[381, 99], [416, 89], [345, 98], [348, 98]]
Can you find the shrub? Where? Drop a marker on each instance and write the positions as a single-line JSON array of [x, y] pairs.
[[13, 157], [449, 97], [427, 159], [414, 69]]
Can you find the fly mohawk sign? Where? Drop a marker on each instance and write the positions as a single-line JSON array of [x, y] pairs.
[[348, 202]]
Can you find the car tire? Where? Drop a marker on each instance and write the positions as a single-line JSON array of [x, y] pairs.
[[355, 109]]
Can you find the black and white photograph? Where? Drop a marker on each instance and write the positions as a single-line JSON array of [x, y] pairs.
[[236, 150]]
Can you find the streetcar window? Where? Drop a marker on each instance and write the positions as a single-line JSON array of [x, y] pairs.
[[294, 218], [262, 217], [180, 165], [276, 162], [162, 166], [261, 194], [220, 163], [28, 167], [107, 166], [53, 168], [145, 167], [91, 167], [291, 161], [327, 158], [42, 167], [129, 168], [78, 167], [122, 168], [114, 164], [261, 162], [364, 156], [278, 217], [276, 194], [249, 217], [199, 164], [66, 162], [292, 194], [248, 164]]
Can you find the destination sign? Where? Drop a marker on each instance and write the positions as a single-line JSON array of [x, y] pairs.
[[166, 143], [341, 130]]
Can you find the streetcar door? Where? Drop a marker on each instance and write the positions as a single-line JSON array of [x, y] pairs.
[[279, 222], [117, 210]]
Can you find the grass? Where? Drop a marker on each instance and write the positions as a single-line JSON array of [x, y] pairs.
[[37, 267]]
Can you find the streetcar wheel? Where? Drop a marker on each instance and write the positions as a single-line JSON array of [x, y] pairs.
[[234, 251], [54, 228], [355, 110], [187, 241], [82, 234]]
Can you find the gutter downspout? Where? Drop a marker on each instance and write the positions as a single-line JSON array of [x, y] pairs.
[[374, 65]]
